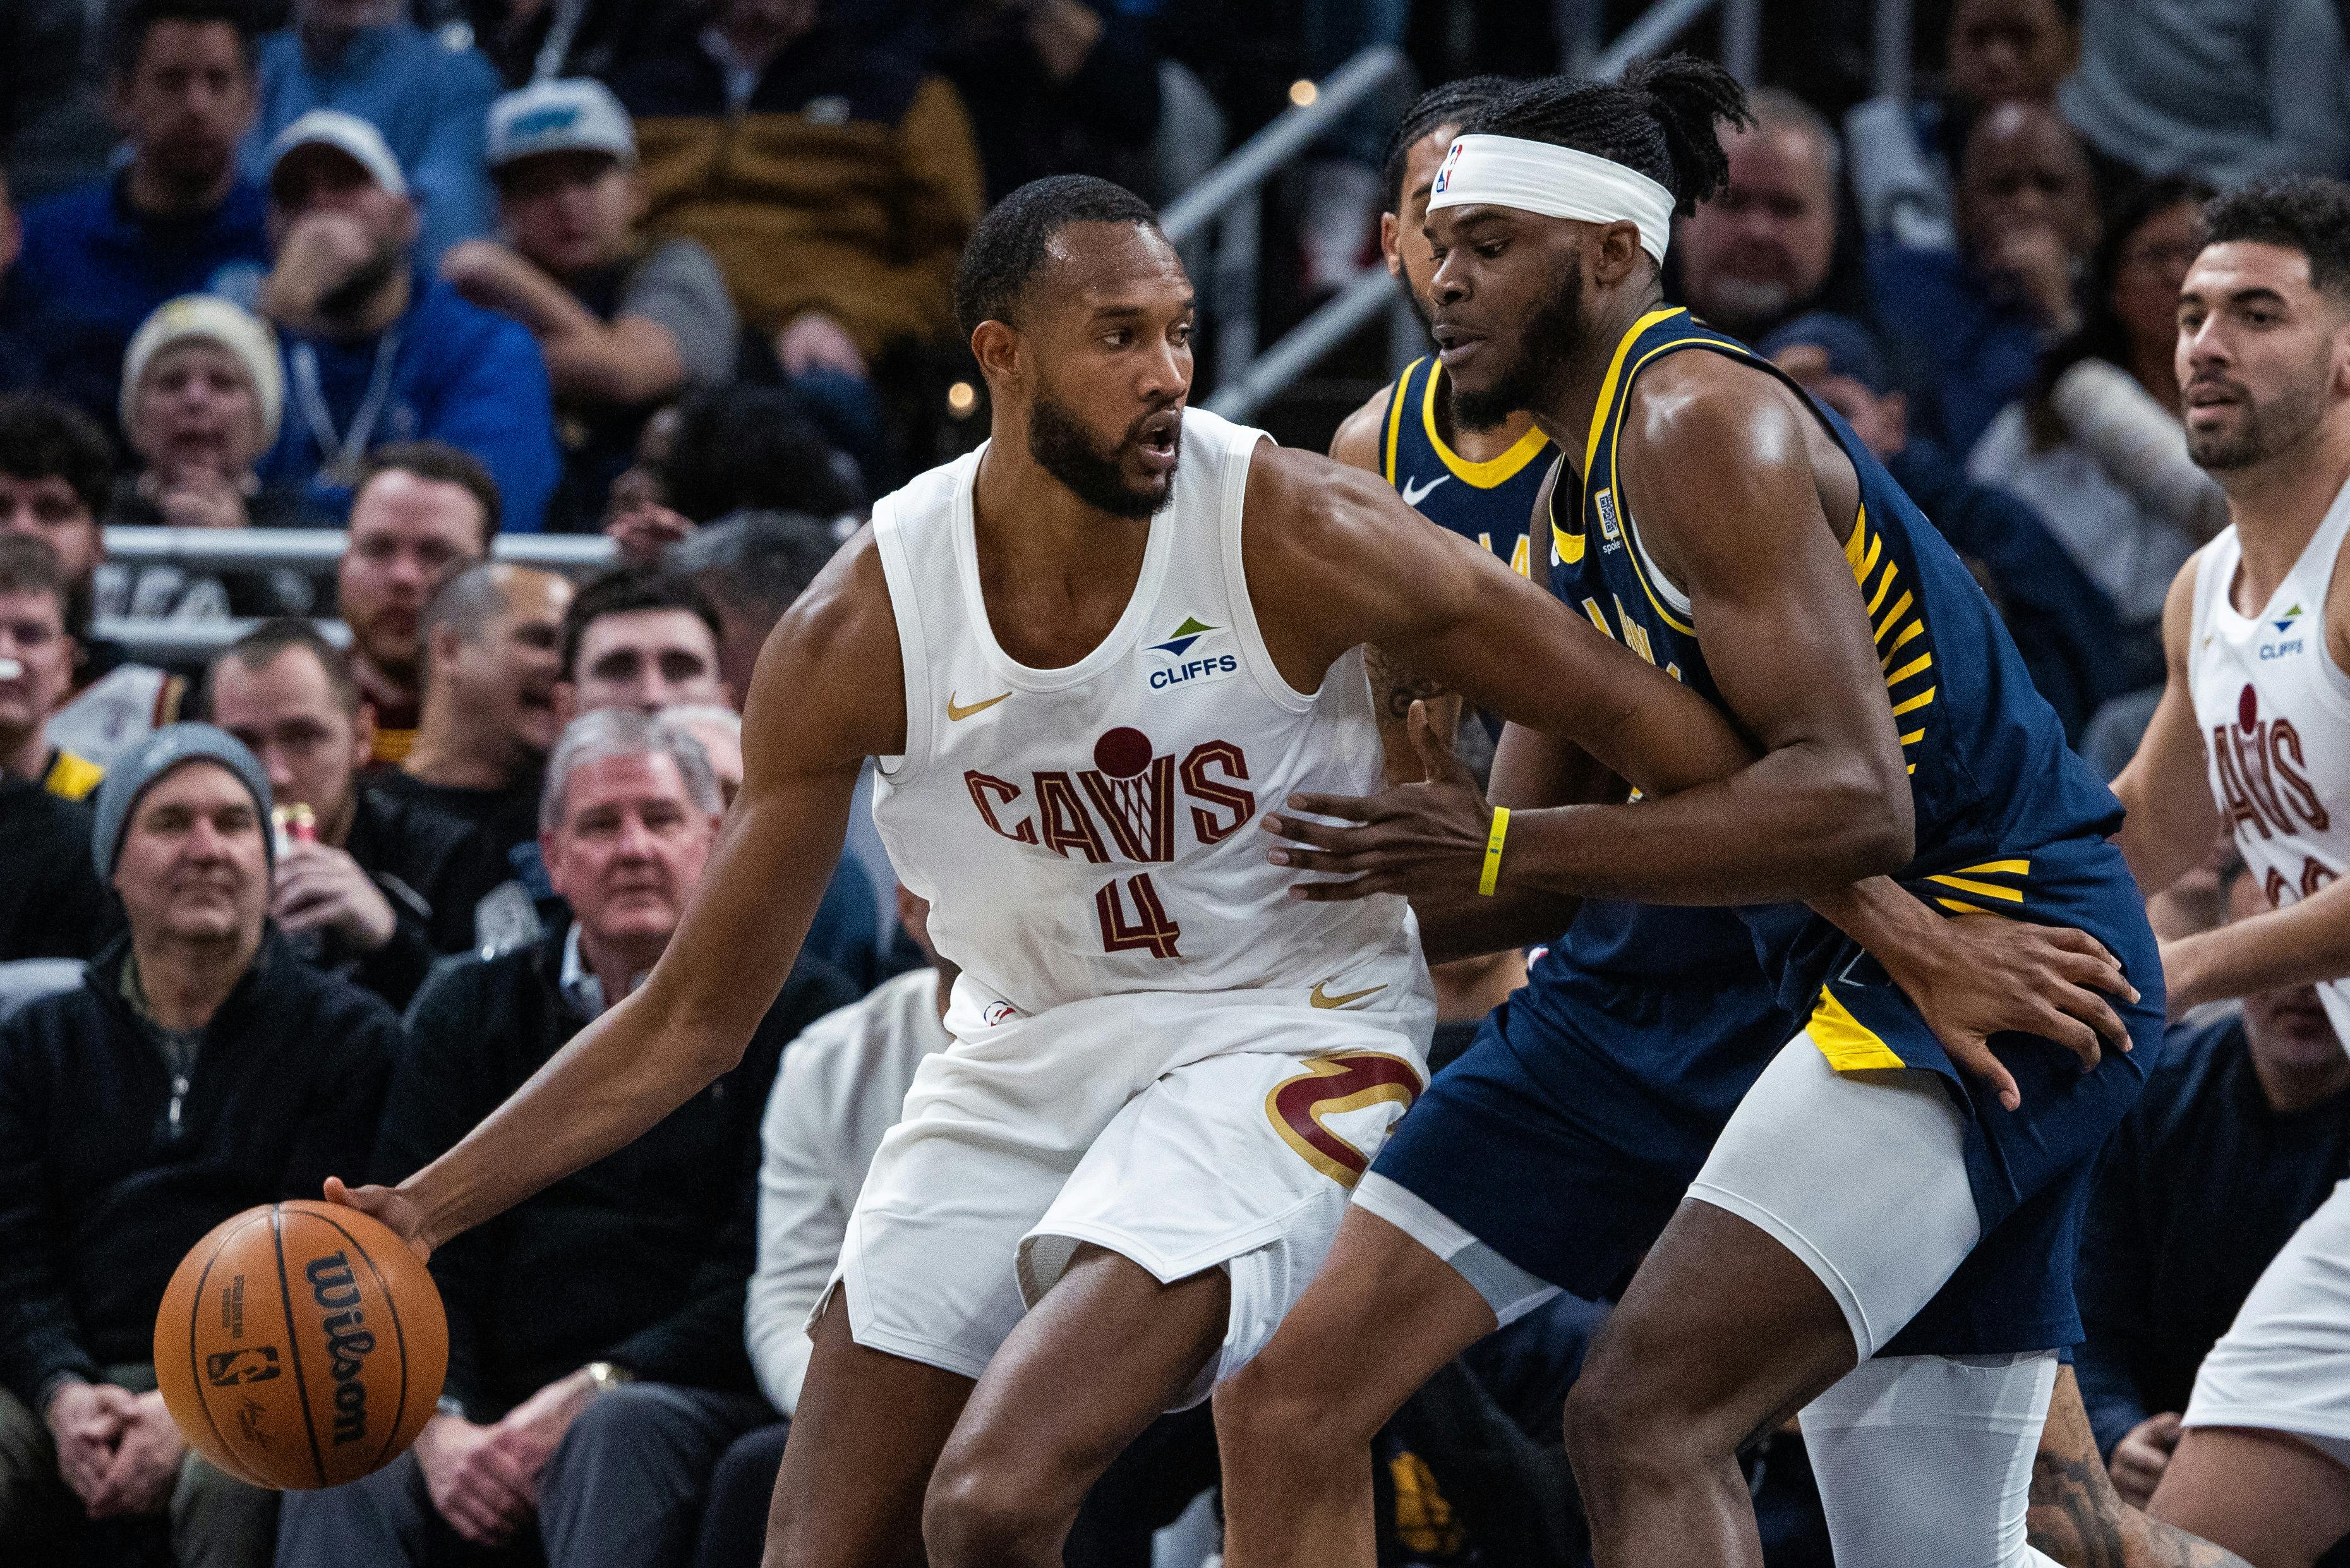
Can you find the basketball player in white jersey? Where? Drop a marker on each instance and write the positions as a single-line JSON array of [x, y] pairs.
[[2253, 738], [1166, 1070]]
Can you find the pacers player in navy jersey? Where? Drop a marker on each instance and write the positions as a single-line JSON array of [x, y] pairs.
[[1879, 1194]]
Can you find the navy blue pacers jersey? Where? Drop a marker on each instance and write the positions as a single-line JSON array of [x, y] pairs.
[[1606, 1078], [1490, 504]]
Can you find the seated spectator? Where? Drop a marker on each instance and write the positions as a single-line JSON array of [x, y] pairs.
[[1761, 253], [625, 327], [493, 654], [426, 100], [1903, 148], [639, 640], [379, 352], [2243, 1130], [201, 393], [273, 1076], [178, 218], [2062, 621], [1061, 87], [55, 471], [2228, 89], [834, 181], [50, 905], [720, 451], [597, 1366], [374, 887], [421, 513], [1970, 324], [2097, 448]]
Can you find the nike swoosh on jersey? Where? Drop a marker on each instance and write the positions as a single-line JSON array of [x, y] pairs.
[[956, 715], [1321, 998], [1415, 492]]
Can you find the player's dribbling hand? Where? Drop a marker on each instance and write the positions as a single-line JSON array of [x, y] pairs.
[[1984, 976], [389, 1204], [1424, 837]]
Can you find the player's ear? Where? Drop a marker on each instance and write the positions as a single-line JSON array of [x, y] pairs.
[[1390, 226], [1617, 254], [997, 346]]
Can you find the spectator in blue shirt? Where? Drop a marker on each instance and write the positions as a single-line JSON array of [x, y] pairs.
[[2243, 1130], [1970, 324], [100, 259], [429, 102], [375, 350]]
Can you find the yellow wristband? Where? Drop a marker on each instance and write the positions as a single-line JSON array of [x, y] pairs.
[[1492, 872]]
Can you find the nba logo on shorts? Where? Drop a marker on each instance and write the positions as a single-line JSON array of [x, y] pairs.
[[1444, 170], [996, 1012]]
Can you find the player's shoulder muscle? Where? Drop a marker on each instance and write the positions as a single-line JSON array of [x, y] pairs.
[[1701, 426], [830, 680], [1362, 435]]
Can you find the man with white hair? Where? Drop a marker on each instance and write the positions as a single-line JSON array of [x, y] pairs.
[[597, 1367]]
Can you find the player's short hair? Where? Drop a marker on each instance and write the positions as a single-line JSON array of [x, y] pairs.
[[1011, 240], [140, 17], [2306, 212], [29, 564], [625, 732], [42, 437], [1659, 119], [1451, 103], [629, 588], [259, 648], [442, 465]]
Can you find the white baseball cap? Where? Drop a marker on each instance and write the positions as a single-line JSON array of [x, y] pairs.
[[347, 134], [577, 114]]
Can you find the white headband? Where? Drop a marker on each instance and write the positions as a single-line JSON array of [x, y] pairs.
[[1553, 182]]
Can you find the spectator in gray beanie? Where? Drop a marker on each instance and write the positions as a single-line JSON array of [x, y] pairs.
[[145, 765]]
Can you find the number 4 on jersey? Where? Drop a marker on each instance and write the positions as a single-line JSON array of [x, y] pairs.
[[1151, 929]]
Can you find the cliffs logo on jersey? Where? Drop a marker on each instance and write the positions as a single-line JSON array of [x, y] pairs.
[[1124, 808], [2257, 771], [2289, 640], [1301, 1108], [1186, 661]]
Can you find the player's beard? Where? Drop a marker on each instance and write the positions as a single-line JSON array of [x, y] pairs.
[[1544, 348], [1063, 449], [2270, 427]]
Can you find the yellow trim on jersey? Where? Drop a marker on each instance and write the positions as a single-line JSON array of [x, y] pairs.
[[1492, 473], [71, 777], [1850, 1045], [1600, 411], [1980, 890], [1997, 868], [1397, 397], [1568, 545], [1919, 700]]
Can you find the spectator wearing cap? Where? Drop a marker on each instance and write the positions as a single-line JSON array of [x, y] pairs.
[[2063, 623], [378, 352], [55, 471], [199, 1070], [831, 176], [177, 218], [369, 886], [50, 905], [426, 100], [203, 390], [1971, 325], [624, 325]]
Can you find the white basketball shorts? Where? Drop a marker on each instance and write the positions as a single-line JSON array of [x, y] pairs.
[[2283, 1365], [1182, 1132]]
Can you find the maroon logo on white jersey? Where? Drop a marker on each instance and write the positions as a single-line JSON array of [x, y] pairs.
[[1123, 807], [2262, 779]]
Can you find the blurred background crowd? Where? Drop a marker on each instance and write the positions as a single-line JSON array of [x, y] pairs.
[[590, 327]]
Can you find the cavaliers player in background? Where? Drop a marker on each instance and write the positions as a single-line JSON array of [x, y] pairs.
[[2252, 739], [1086, 673]]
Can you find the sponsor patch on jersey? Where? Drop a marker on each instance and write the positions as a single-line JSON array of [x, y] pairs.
[[1195, 652], [1611, 537], [998, 1012]]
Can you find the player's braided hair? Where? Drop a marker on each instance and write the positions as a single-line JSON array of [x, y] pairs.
[[1659, 119], [1009, 243], [1449, 104]]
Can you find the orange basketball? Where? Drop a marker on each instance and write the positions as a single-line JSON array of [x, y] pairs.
[[301, 1346]]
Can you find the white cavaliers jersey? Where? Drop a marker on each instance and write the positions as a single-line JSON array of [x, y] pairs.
[[1091, 831], [2274, 710]]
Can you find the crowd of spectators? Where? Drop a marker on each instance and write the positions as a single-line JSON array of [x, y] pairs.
[[320, 894]]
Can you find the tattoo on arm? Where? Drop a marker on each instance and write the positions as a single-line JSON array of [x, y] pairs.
[[2080, 1521], [1394, 687]]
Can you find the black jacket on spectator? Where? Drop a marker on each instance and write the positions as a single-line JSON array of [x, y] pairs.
[[1028, 125], [432, 870], [52, 904], [2200, 1186], [103, 1192], [505, 817], [642, 1257]]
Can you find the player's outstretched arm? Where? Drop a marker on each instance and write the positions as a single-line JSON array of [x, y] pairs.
[[828, 693]]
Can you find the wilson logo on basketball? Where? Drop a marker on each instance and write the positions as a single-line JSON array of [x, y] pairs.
[[334, 1287], [1123, 808]]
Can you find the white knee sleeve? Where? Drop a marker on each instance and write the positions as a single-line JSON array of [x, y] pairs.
[[1925, 1461]]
